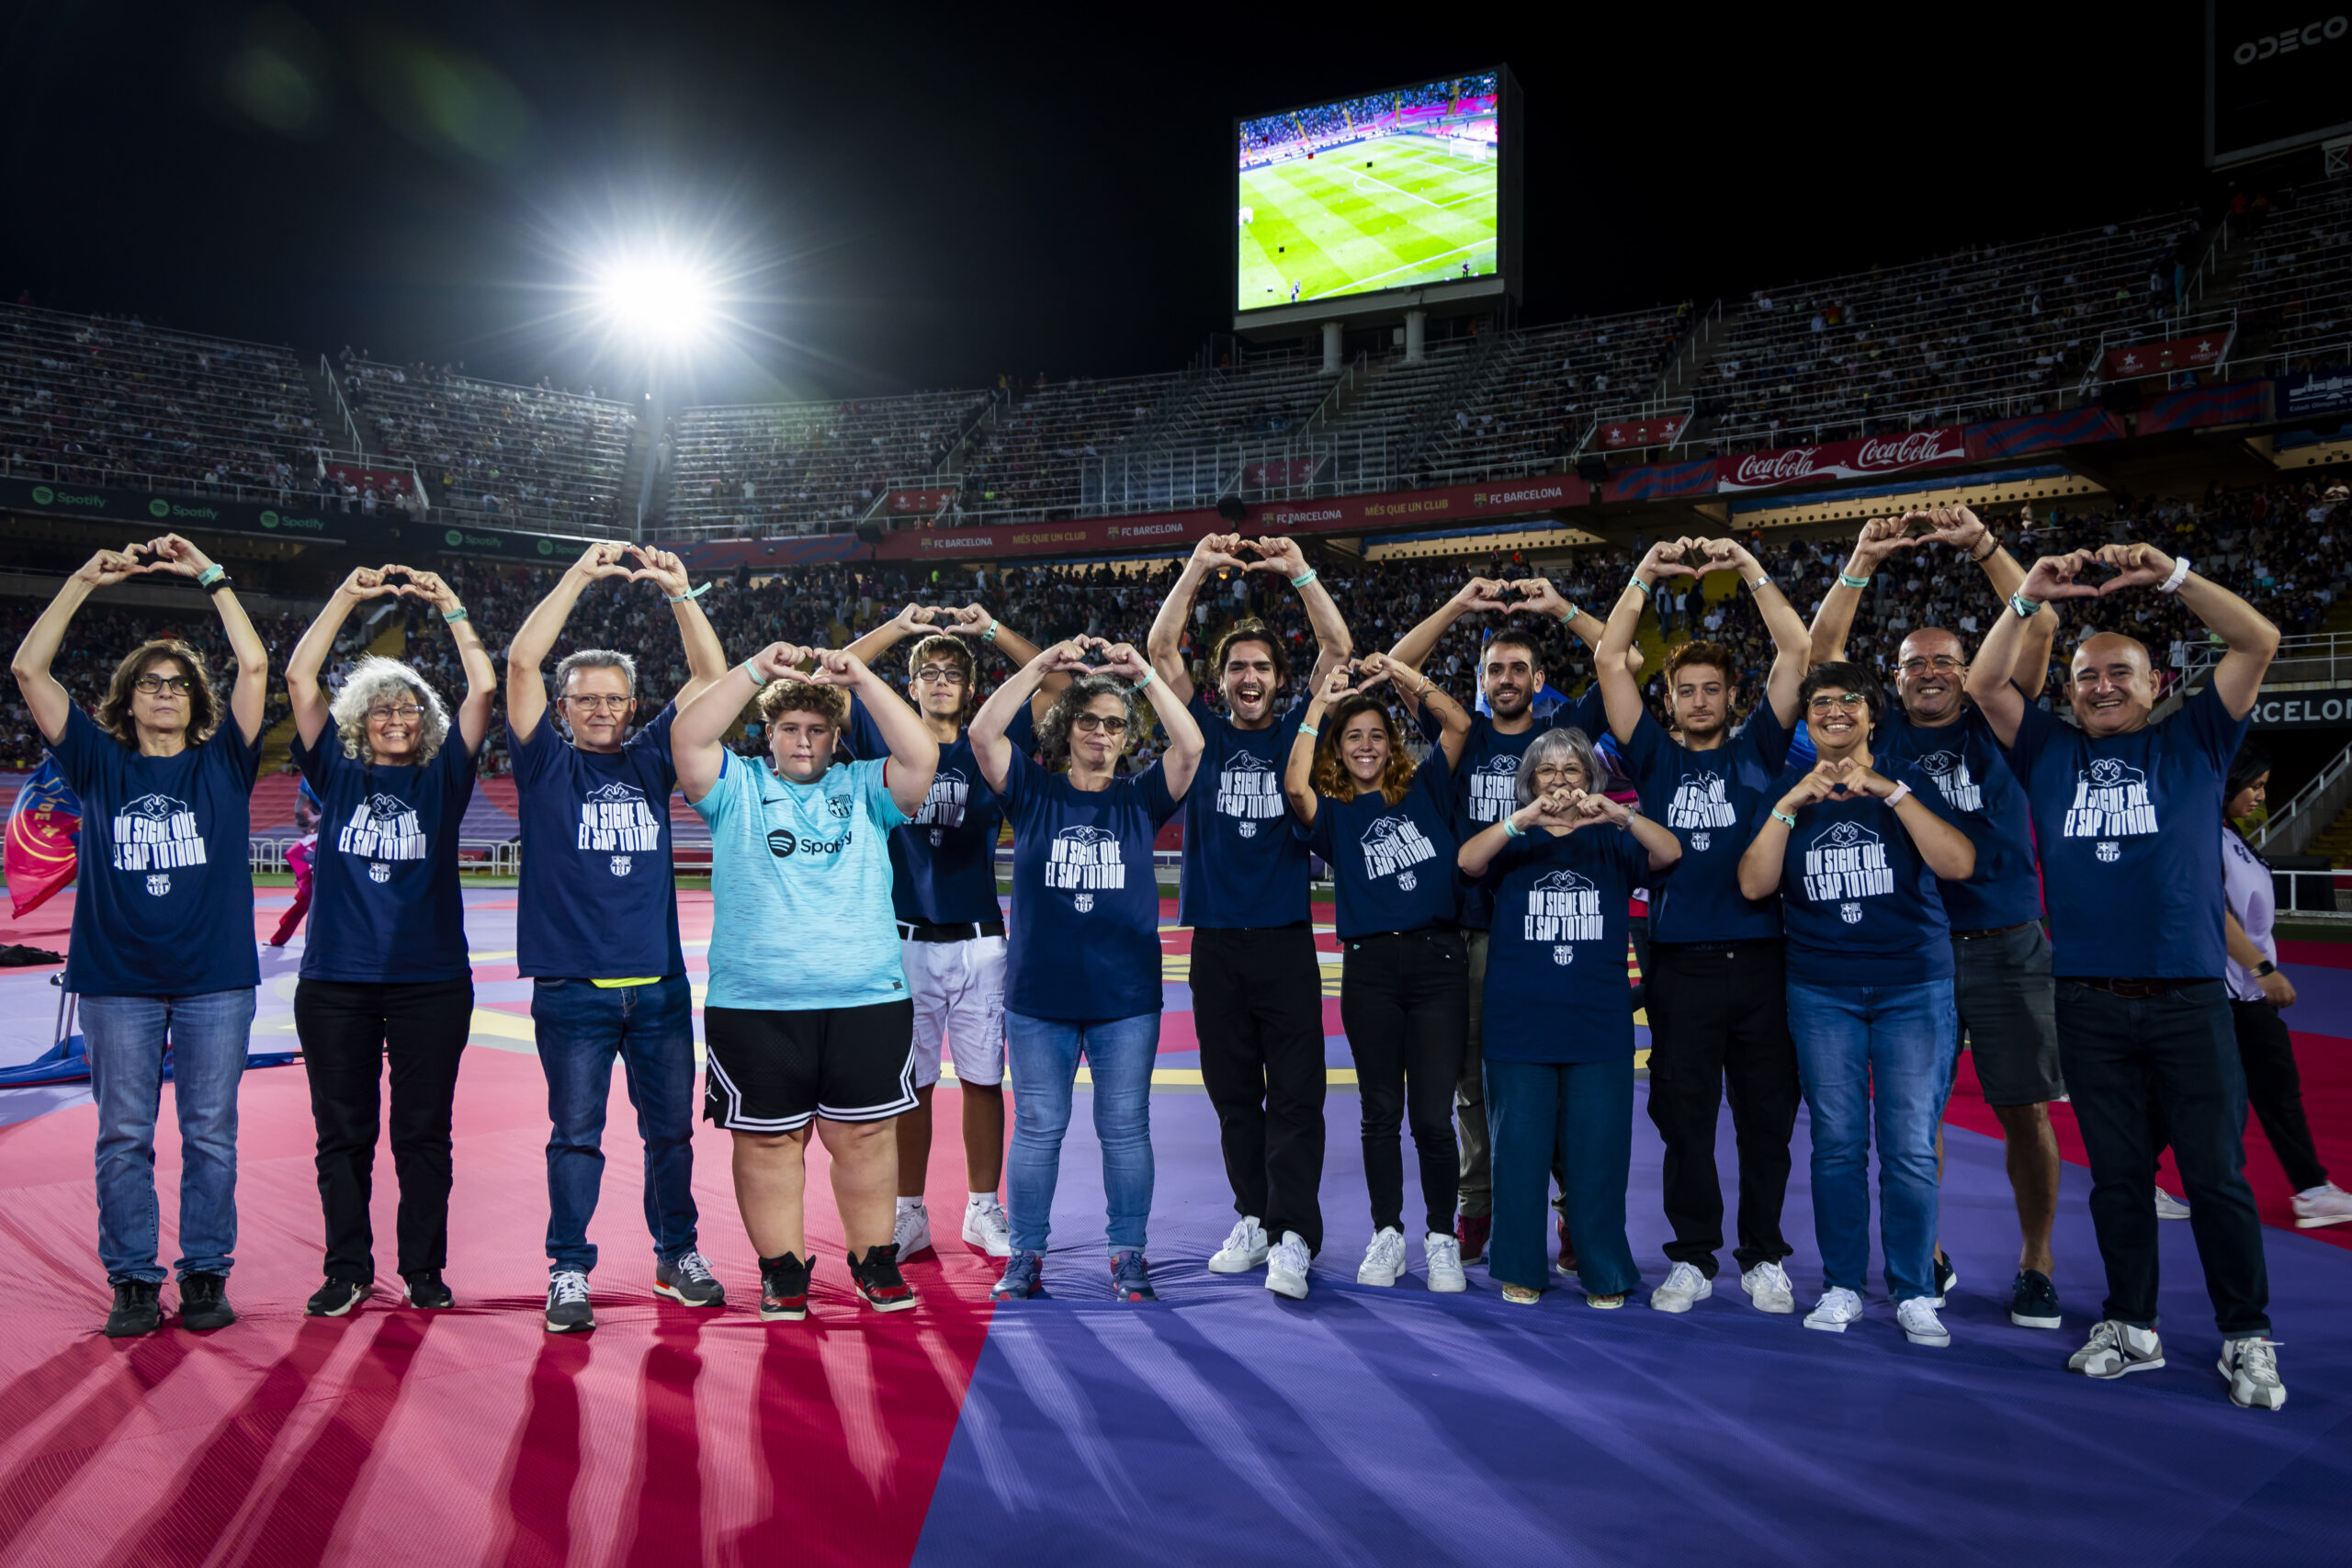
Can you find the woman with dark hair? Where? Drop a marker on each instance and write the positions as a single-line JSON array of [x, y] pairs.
[[386, 975], [163, 954], [1869, 990], [1085, 941], [1559, 1014], [2260, 991], [1386, 827]]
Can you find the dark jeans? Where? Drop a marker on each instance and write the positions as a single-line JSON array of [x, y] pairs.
[[348, 1032], [581, 1027], [1257, 1007], [2267, 1054], [1536, 1112], [1719, 1023], [2176, 1053], [1404, 1001]]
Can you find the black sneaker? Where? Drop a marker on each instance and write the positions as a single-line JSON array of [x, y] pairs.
[[1946, 1278], [138, 1309], [204, 1302], [784, 1288], [878, 1281], [424, 1289], [2033, 1301], [568, 1308], [687, 1279], [335, 1298]]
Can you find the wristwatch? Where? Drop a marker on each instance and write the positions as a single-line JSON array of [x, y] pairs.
[[2263, 970]]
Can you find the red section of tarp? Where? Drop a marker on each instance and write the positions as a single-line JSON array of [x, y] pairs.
[[669, 1435]]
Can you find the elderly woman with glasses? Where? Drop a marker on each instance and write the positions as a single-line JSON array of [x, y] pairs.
[[385, 972], [162, 954]]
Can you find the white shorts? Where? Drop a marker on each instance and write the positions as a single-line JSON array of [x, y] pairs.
[[959, 998]]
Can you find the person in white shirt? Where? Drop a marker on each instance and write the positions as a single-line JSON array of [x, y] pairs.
[[2260, 991]]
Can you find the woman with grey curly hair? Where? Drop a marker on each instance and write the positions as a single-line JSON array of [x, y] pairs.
[[385, 970]]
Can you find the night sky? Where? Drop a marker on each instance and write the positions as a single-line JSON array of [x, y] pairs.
[[905, 199]]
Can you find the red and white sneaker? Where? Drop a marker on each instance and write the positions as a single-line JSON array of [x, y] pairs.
[[2326, 1204], [878, 1281], [784, 1289], [1471, 1231]]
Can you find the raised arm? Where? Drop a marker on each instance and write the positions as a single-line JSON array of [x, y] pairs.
[[1794, 647], [2251, 640], [482, 676], [1592, 806], [1414, 647], [1185, 742], [990, 747], [47, 700], [912, 621], [915, 755], [1615, 660], [1881, 538], [699, 735], [1948, 853], [1477, 852], [1166, 642], [1964, 530], [249, 695], [1298, 770], [706, 659], [309, 655], [1333, 644], [526, 686], [974, 621], [1990, 673], [1453, 719]]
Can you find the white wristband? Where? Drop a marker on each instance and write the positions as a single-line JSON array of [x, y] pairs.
[[1902, 788], [2180, 573]]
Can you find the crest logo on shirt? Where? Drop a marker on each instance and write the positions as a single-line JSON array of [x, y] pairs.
[[1393, 843], [379, 872], [1702, 841], [2109, 850], [838, 805], [620, 866], [1084, 901], [160, 884], [1084, 860], [1847, 860], [1563, 955], [1562, 907], [1950, 770], [156, 832], [1248, 790], [1851, 913], [1407, 881], [1494, 789], [617, 817], [2110, 802]]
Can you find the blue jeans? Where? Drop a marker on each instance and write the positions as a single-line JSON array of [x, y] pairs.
[[208, 1034], [581, 1027], [1043, 1052], [1888, 1049], [1585, 1110]]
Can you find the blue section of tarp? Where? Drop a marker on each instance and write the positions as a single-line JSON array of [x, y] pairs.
[[69, 1062]]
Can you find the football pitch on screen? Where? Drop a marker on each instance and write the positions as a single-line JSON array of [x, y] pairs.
[[1333, 225]]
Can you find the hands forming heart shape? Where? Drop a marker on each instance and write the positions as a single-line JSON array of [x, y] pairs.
[[2060, 577]]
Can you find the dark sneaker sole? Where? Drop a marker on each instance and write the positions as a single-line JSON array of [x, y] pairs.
[[131, 1331], [345, 1310], [782, 1314], [555, 1328], [1031, 1294], [899, 1305], [206, 1322], [427, 1307], [682, 1299]]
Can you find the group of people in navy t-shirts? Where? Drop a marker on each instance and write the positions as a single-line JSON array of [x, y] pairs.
[[1838, 891]]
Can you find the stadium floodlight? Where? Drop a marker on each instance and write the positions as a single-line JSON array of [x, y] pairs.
[[662, 302]]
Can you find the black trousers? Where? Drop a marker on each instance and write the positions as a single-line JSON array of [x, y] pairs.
[[1719, 1023], [2274, 1089], [1258, 1006], [348, 1031], [1405, 1002], [2165, 1066]]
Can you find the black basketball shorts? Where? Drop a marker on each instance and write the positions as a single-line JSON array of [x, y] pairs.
[[770, 1072]]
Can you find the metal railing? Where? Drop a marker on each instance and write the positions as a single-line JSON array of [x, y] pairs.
[[490, 857], [2315, 658], [2314, 894], [2221, 323], [334, 384], [2307, 798]]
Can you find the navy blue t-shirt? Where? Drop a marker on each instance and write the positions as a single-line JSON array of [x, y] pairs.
[[387, 908], [1243, 868], [1861, 907], [1973, 777], [1485, 786], [164, 893], [943, 862], [1556, 986], [598, 899], [2125, 827], [1085, 903], [1392, 866], [1710, 801]]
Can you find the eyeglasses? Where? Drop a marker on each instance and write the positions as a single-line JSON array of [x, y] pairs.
[[151, 685], [407, 713], [1829, 701], [1559, 773], [602, 704], [1090, 722], [941, 674], [1942, 664]]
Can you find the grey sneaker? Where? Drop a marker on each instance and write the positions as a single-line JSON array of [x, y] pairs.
[[685, 1278], [568, 1309], [2252, 1366], [2115, 1349]]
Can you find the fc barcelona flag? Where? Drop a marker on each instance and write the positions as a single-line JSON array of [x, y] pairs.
[[41, 827]]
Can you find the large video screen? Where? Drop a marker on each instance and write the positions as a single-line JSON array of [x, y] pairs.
[[1396, 190], [2275, 74]]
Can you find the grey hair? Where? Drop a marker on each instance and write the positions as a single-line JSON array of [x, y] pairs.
[[1053, 731], [373, 680], [596, 659], [1541, 749]]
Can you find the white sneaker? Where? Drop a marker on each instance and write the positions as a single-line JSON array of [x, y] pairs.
[[1384, 1258], [1837, 1307], [1683, 1286], [912, 1231], [1244, 1248], [2115, 1349], [1442, 1255], [1920, 1324], [987, 1227], [2326, 1204], [1286, 1265], [2252, 1366], [2169, 1207], [1768, 1287]]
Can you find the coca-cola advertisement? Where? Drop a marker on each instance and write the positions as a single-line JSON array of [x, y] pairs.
[[1626, 435], [1892, 454], [2161, 358]]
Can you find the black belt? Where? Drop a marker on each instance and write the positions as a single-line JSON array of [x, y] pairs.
[[1991, 930], [1433, 929], [2134, 991], [1724, 947], [918, 931]]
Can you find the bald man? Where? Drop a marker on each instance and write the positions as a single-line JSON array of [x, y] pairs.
[[2126, 814], [2000, 957]]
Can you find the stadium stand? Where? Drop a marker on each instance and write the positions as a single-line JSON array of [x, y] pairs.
[[766, 468], [531, 455], [2295, 283], [1033, 457], [1545, 386], [111, 400]]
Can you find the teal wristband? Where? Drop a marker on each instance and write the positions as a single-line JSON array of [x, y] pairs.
[[1568, 614], [1844, 581], [2025, 608], [1308, 730], [1646, 590], [454, 616], [1785, 819], [758, 680], [689, 593], [1148, 676], [990, 635], [1303, 581], [210, 575], [1512, 829]]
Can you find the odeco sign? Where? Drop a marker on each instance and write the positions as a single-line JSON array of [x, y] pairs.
[[2325, 709]]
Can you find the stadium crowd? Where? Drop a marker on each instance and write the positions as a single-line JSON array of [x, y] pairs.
[[1337, 120]]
